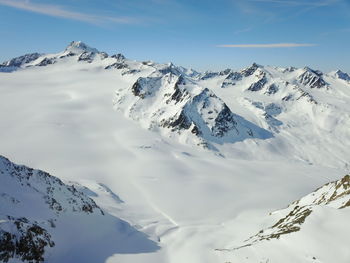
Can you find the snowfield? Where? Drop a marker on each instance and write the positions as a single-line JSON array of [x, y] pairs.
[[196, 176]]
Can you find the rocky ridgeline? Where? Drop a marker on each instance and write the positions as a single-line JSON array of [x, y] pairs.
[[23, 240], [78, 49], [335, 194], [312, 79], [174, 100], [178, 105], [257, 78], [15, 63], [342, 75], [31, 202]]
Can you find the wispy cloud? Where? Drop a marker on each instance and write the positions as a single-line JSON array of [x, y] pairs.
[[243, 30], [310, 3], [278, 45], [62, 12], [274, 10]]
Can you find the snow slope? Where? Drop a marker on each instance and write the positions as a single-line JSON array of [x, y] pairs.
[[306, 110], [312, 229], [170, 103], [43, 219], [58, 113]]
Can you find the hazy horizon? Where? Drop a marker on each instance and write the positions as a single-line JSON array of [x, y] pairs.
[[205, 36]]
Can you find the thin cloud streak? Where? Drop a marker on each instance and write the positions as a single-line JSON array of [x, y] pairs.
[[278, 45], [244, 30], [299, 3], [61, 12]]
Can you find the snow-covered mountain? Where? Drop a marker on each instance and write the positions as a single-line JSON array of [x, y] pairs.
[[173, 103], [216, 153], [283, 108], [18, 62], [335, 195], [40, 214], [31, 202], [167, 98], [305, 109], [311, 228]]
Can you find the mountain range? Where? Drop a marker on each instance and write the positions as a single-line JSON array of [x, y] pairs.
[[175, 143]]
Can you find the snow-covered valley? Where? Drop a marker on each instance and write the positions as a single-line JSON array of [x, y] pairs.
[[192, 162]]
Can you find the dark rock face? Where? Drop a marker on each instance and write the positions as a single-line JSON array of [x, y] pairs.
[[19, 61], [146, 86], [117, 65], [209, 75], [103, 55], [55, 193], [87, 57], [16, 63], [27, 241], [46, 61], [270, 112], [69, 54], [231, 79], [120, 64], [250, 71], [191, 115], [226, 72], [171, 69], [342, 75], [289, 69], [137, 89], [178, 122], [259, 85], [307, 96], [299, 95], [335, 194], [312, 78], [178, 95], [287, 98], [119, 57], [224, 122], [195, 130], [130, 71], [234, 76], [31, 202], [177, 103], [289, 224], [272, 89]]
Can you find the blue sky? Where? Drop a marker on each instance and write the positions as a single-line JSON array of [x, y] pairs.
[[200, 34]]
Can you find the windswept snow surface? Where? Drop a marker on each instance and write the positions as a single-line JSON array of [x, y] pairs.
[[61, 118]]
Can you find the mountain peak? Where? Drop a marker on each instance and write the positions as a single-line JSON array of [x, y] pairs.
[[342, 75], [315, 71], [250, 70], [79, 47]]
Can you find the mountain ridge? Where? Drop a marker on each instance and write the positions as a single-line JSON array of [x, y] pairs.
[[39, 213], [78, 47], [125, 134], [270, 101]]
